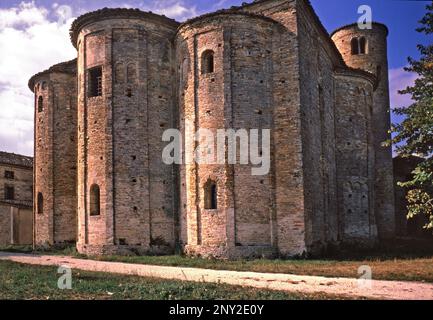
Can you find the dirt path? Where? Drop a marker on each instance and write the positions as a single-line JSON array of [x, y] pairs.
[[285, 282]]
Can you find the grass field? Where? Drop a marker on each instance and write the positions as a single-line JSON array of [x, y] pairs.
[[408, 268], [20, 281]]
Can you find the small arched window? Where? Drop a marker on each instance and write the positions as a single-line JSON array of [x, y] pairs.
[[362, 45], [207, 62], [131, 74], [40, 203], [95, 200], [210, 195], [40, 104], [354, 45]]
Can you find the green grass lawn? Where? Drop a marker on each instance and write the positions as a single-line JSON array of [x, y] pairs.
[[21, 281]]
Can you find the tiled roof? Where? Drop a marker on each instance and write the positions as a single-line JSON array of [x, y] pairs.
[[15, 159], [18, 203], [107, 13], [356, 24], [63, 67]]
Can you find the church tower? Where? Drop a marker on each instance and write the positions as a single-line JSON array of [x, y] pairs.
[[366, 49]]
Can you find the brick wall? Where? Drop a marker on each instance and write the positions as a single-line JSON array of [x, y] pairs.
[[120, 147], [355, 160], [55, 157]]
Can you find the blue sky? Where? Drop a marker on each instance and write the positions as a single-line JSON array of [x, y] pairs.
[[38, 30]]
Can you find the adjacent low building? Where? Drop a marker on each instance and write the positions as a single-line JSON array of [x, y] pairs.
[[16, 198]]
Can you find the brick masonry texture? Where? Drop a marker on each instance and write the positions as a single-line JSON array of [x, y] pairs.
[[274, 67]]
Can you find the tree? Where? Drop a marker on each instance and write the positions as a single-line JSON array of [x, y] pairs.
[[415, 133]]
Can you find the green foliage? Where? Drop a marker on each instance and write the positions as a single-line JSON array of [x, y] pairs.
[[415, 132]]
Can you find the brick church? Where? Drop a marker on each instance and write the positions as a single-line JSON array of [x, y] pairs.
[[99, 178]]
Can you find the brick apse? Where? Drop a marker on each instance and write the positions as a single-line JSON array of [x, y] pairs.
[[99, 119]]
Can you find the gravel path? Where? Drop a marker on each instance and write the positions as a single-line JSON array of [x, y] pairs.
[[285, 282]]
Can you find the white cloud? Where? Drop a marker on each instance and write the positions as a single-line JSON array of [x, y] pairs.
[[175, 9], [399, 80], [26, 14], [29, 43]]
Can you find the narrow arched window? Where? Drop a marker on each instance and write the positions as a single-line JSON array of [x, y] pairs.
[[210, 195], [40, 104], [131, 73], [120, 73], [362, 45], [40, 203], [378, 72], [207, 62], [355, 46], [184, 72], [95, 200]]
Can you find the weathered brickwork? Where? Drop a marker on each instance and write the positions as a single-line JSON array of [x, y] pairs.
[[120, 144], [355, 159], [270, 65], [230, 97], [375, 60], [289, 220], [55, 196]]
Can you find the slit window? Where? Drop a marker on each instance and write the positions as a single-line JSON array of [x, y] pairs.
[[207, 62], [378, 72], [95, 82], [362, 45], [354, 44], [210, 195], [131, 73], [40, 104], [120, 73], [9, 193], [95, 200], [40, 203]]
